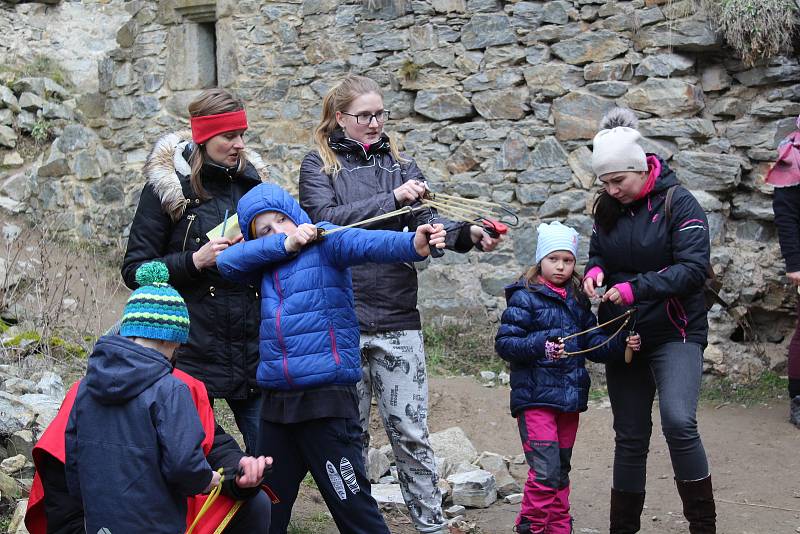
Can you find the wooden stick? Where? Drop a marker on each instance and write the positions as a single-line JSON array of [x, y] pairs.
[[757, 505]]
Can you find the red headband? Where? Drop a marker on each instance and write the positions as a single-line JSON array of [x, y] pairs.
[[206, 127]]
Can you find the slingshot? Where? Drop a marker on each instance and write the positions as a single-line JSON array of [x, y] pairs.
[[627, 316], [495, 218]]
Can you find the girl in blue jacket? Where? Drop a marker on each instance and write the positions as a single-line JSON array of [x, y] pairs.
[[309, 347], [550, 387]]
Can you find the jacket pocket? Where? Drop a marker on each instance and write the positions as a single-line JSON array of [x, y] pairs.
[[334, 349]]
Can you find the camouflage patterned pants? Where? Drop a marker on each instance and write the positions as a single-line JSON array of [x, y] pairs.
[[394, 371]]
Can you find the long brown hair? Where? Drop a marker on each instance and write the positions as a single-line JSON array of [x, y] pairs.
[[211, 102], [530, 278], [339, 98]]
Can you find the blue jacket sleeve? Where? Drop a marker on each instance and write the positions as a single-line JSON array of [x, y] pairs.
[[612, 351], [354, 246], [71, 455], [691, 251], [180, 437], [246, 260], [520, 339]]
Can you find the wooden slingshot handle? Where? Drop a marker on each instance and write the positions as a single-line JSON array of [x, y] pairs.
[[628, 354]]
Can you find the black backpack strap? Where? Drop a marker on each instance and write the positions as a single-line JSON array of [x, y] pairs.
[[668, 203]]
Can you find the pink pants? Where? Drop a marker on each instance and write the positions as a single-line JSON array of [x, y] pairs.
[[547, 439]]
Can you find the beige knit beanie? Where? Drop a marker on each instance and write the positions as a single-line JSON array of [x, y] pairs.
[[618, 150]]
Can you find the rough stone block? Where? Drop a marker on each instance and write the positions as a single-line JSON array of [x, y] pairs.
[[553, 79], [484, 30], [709, 172], [686, 34], [474, 489], [442, 104], [668, 97], [8, 137], [563, 203], [514, 154], [377, 465], [664, 65], [577, 115], [453, 445], [502, 104], [590, 47], [619, 69]]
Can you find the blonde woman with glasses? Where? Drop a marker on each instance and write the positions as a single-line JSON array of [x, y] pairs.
[[357, 172]]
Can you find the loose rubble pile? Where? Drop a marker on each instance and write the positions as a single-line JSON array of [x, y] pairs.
[[27, 404], [467, 479]]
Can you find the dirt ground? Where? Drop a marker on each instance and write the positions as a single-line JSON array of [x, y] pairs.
[[754, 454]]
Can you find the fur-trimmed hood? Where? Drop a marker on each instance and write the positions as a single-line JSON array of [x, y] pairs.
[[166, 161]]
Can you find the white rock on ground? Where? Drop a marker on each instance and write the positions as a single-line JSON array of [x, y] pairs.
[[387, 493], [377, 465], [17, 525], [514, 498], [496, 465], [455, 510], [475, 489], [453, 445]]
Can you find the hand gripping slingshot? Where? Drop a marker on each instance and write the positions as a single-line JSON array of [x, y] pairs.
[[626, 317], [495, 218], [215, 493]]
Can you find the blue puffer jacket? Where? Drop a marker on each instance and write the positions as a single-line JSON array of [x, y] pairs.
[[531, 317], [309, 331], [133, 442]]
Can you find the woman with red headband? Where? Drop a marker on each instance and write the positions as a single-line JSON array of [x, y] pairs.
[[193, 181]]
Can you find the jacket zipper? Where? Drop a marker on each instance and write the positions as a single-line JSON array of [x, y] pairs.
[[278, 329], [191, 217], [333, 345], [681, 316]]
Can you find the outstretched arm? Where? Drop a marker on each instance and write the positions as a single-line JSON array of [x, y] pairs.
[[244, 261]]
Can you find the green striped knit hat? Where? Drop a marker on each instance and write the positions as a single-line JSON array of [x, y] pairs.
[[155, 310]]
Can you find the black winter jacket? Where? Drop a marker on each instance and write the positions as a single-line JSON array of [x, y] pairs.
[[665, 261], [170, 224], [385, 294], [786, 205]]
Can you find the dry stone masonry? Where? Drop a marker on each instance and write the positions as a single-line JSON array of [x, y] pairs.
[[495, 99]]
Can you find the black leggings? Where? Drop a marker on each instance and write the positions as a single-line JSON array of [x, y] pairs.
[[674, 370]]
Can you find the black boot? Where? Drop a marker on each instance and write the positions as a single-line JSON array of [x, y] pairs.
[[698, 505], [794, 411], [626, 512]]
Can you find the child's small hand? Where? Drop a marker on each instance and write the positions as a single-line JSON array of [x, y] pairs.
[[215, 478], [302, 236], [252, 471], [427, 236], [634, 341], [554, 349]]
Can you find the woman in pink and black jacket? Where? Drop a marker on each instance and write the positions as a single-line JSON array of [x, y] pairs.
[[655, 257]]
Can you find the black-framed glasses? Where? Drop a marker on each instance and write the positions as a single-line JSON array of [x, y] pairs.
[[366, 118]]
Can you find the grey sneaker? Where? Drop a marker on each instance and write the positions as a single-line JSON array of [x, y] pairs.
[[794, 411]]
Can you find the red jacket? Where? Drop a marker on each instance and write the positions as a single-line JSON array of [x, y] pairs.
[[52, 443]]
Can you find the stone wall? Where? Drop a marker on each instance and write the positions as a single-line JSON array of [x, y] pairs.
[[496, 100], [75, 35]]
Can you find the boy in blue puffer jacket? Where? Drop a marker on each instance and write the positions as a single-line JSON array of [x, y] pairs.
[[549, 387], [309, 347]]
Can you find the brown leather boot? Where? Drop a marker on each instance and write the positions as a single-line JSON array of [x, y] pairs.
[[626, 512], [698, 505]]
